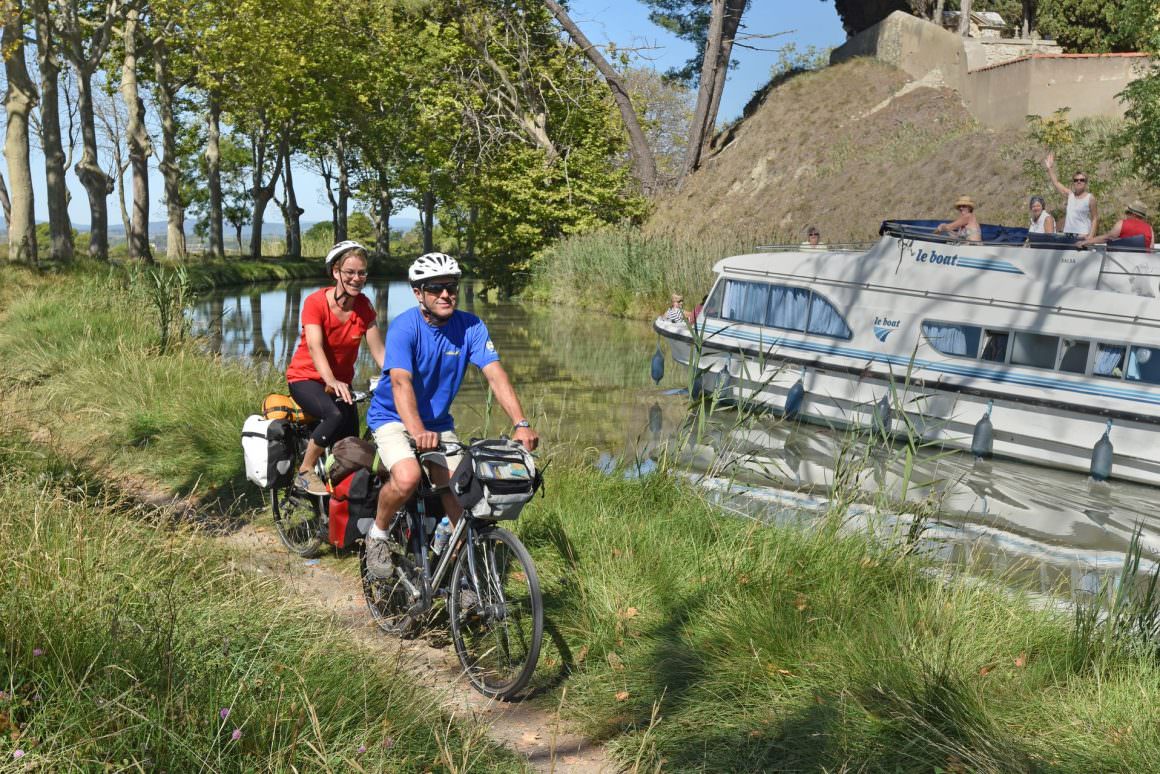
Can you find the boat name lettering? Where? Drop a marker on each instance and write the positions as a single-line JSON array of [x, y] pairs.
[[933, 256], [885, 323]]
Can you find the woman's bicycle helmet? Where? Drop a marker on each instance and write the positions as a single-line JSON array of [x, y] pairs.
[[433, 265], [341, 249]]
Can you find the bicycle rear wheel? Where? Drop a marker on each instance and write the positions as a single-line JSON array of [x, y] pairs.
[[497, 616], [397, 606], [298, 519]]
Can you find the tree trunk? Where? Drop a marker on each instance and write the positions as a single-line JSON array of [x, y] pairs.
[[644, 165], [213, 175], [293, 212], [342, 211], [965, 18], [48, 59], [97, 184], [262, 192], [6, 203], [428, 218], [325, 170], [733, 11], [140, 147], [1028, 18], [18, 103], [383, 235], [472, 219], [170, 172], [939, 7], [258, 348], [723, 24]]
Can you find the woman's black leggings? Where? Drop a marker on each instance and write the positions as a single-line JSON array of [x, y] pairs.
[[337, 419]]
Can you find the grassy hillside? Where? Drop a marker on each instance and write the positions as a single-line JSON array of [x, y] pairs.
[[845, 148]]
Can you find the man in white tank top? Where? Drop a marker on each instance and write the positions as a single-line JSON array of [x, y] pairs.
[[1083, 217]]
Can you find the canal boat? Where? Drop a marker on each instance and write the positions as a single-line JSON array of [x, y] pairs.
[[1020, 345]]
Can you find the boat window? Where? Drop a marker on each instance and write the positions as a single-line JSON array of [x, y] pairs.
[[789, 308], [1074, 356], [825, 319], [995, 346], [1034, 349], [1109, 361], [962, 340], [745, 301], [1144, 365], [713, 303]]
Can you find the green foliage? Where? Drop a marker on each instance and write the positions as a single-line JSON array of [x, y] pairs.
[[791, 60], [1093, 145], [857, 15], [1142, 133], [1093, 26]]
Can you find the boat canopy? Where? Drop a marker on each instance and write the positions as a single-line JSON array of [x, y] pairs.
[[1000, 235]]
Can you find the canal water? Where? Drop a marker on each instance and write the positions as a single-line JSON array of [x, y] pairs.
[[584, 379]]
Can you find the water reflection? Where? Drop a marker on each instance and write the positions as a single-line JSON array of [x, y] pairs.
[[584, 378]]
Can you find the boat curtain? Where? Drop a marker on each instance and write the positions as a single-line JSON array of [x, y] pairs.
[[789, 308], [947, 339], [824, 319], [746, 301], [1108, 360]]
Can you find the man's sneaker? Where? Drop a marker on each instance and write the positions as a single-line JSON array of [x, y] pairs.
[[378, 551], [309, 482]]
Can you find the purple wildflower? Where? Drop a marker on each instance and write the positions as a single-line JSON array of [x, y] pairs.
[[388, 743], [17, 754], [3, 696], [224, 713], [37, 652], [362, 748], [236, 735]]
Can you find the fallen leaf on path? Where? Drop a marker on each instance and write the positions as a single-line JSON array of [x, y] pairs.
[[801, 603], [622, 695], [615, 662], [1021, 660], [582, 654]]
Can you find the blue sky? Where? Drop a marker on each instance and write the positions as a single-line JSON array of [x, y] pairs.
[[624, 22]]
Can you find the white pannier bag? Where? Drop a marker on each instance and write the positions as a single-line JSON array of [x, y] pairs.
[[266, 447]]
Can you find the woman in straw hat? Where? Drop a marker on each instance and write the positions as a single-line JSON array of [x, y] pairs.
[[1134, 223], [966, 226]]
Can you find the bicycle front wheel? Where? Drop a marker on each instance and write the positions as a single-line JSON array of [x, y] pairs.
[[298, 519], [496, 612]]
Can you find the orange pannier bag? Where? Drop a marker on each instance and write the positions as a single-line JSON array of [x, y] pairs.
[[278, 406]]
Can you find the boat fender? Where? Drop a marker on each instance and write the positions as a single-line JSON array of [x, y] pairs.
[[883, 417], [656, 420], [1102, 456], [983, 441], [793, 401], [658, 365]]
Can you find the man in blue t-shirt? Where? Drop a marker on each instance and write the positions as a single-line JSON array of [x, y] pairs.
[[427, 352]]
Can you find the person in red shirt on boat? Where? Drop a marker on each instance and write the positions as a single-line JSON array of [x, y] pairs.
[[1134, 223], [335, 320]]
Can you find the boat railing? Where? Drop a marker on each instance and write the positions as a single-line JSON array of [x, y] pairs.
[[829, 247], [1002, 236]]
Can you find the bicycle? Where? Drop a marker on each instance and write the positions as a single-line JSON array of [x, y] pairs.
[[492, 594], [302, 519]]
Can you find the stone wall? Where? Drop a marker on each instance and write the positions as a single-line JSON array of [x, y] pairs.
[[1000, 95]]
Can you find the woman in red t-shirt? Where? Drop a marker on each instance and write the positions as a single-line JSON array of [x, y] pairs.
[[335, 320]]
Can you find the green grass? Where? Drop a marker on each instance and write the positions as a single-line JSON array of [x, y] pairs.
[[685, 640], [624, 271], [128, 646], [715, 644]]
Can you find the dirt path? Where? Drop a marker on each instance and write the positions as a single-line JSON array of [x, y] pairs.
[[537, 734]]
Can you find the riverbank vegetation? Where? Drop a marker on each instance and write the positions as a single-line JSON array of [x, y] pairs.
[[683, 639], [135, 643]]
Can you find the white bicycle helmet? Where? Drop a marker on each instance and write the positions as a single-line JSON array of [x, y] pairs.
[[433, 265], [341, 249]]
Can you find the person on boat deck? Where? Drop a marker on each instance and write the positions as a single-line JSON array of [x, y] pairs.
[[699, 308], [676, 311], [1083, 216], [966, 225], [1042, 221], [1134, 223], [813, 240], [335, 321]]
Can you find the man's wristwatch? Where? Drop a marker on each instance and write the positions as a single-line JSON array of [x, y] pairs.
[[521, 423]]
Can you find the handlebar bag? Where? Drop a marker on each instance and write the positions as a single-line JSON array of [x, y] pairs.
[[495, 479], [349, 455], [278, 406], [267, 451]]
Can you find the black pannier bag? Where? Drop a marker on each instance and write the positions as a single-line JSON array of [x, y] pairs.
[[363, 494], [495, 479]]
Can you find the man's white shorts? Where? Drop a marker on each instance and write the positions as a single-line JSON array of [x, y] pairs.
[[395, 446]]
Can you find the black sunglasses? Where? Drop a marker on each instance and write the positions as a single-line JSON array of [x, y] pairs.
[[1079, 180], [437, 290]]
